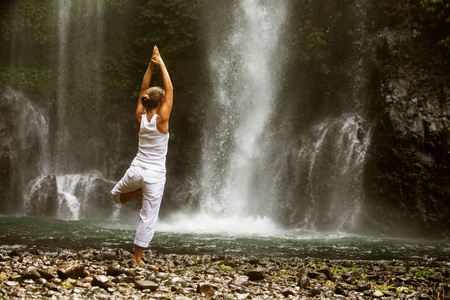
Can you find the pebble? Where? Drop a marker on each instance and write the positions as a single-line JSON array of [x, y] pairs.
[[89, 275]]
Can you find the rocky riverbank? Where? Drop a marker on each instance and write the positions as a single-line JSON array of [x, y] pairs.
[[31, 273]]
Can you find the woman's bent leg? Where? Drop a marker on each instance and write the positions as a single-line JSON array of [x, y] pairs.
[[125, 197], [129, 187]]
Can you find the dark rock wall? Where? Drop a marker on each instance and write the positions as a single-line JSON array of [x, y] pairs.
[[407, 176]]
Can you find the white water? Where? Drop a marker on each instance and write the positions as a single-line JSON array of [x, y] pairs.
[[204, 224], [341, 176], [237, 147], [75, 191], [80, 48], [245, 91]]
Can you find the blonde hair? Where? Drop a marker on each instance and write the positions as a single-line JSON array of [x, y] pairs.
[[152, 97]]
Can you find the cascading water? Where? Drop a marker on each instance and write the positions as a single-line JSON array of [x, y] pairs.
[[48, 175], [245, 91], [28, 147], [256, 173], [242, 71], [80, 49], [75, 190]]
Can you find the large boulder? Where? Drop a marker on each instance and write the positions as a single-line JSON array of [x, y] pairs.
[[43, 198]]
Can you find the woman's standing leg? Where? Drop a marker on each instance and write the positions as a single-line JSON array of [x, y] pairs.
[[153, 189]]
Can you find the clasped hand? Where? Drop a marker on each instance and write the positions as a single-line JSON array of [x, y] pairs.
[[156, 57]]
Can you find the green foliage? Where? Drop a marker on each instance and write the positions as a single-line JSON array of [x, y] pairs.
[[424, 272], [342, 270], [315, 38], [438, 12], [67, 284], [31, 79], [224, 267], [283, 274], [29, 17], [90, 57]]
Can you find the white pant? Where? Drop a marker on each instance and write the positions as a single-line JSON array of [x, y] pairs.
[[152, 184]]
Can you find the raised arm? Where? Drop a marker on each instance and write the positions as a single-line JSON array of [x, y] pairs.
[[140, 110], [167, 102]]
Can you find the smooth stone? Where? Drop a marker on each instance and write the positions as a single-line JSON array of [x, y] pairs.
[[31, 273], [205, 288], [146, 284], [377, 294], [255, 274], [71, 271], [304, 282], [102, 281], [12, 283]]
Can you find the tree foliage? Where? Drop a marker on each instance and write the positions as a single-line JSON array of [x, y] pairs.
[[92, 53], [438, 12]]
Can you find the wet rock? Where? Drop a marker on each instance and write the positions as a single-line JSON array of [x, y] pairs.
[[17, 252], [436, 278], [162, 275], [329, 294], [102, 281], [315, 292], [146, 285], [71, 271], [205, 288], [31, 273], [177, 280], [12, 283], [340, 291], [326, 272], [304, 282], [117, 270], [255, 274], [288, 293], [377, 294], [15, 277], [65, 255], [239, 280], [314, 275], [105, 256], [43, 199], [46, 273], [363, 286]]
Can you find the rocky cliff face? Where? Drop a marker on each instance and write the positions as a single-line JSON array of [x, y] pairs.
[[407, 177]]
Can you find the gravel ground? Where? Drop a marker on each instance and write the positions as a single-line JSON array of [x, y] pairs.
[[30, 273]]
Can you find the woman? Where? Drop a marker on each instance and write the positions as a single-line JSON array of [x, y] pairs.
[[147, 174]]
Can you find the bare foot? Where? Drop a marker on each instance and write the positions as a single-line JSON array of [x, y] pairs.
[[140, 263]]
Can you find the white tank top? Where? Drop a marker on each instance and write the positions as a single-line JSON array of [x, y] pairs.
[[152, 146]]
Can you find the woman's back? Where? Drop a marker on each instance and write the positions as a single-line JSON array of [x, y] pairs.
[[152, 146]]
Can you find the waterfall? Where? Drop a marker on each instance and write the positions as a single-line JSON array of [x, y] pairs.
[[28, 148], [77, 194], [80, 48], [47, 142], [270, 158], [259, 174], [245, 90]]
